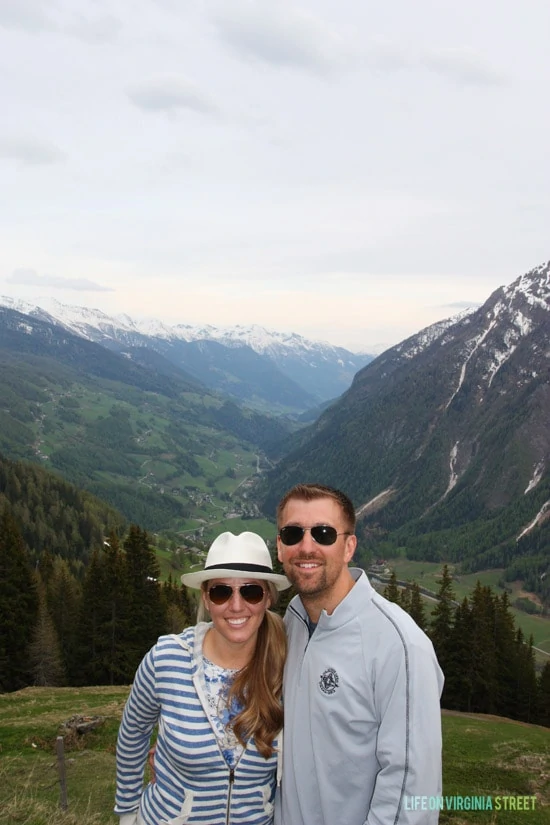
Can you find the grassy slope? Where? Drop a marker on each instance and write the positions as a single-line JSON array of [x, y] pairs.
[[483, 755]]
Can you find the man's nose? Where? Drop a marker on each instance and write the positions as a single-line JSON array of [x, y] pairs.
[[307, 542]]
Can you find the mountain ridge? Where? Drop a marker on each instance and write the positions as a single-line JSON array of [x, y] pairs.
[[446, 429], [318, 371]]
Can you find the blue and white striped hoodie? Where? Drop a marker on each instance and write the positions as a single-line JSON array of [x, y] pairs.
[[193, 782]]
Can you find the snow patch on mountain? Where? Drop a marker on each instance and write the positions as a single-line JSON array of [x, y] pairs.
[[537, 475], [83, 320], [475, 345], [538, 518], [416, 344]]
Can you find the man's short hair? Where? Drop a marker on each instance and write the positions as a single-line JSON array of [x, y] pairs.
[[311, 492]]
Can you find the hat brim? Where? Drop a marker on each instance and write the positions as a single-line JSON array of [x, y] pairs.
[[196, 579]]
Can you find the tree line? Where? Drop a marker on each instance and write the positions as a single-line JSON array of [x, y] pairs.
[[489, 665], [57, 629], [60, 628]]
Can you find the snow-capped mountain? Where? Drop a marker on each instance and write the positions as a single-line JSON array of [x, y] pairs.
[[449, 426], [321, 371]]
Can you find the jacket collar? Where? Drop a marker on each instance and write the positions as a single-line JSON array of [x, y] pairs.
[[348, 608]]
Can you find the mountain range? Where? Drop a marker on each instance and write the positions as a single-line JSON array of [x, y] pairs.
[[443, 441], [263, 368]]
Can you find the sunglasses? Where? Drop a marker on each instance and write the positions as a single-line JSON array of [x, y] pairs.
[[221, 593], [321, 534]]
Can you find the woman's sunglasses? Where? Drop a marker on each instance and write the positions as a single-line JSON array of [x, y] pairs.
[[221, 593], [321, 534]]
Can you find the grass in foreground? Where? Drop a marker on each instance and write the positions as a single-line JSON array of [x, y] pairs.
[[482, 756]]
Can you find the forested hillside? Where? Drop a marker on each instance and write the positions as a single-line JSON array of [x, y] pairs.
[[53, 515], [140, 434], [443, 441]]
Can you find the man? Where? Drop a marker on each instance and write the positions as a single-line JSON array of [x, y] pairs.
[[362, 732]]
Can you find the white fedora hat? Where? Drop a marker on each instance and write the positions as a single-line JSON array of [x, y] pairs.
[[237, 557]]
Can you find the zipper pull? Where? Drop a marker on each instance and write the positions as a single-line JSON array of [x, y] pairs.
[[231, 776]]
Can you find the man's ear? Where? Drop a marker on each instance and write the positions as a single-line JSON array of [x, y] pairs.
[[351, 544]]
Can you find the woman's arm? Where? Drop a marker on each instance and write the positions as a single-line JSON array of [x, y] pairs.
[[140, 715]]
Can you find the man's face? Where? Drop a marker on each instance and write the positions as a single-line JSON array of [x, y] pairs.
[[314, 569]]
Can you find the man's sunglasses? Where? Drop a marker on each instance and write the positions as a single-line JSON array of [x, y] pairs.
[[221, 593], [321, 534]]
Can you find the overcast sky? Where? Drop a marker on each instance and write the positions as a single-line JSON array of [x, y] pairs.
[[345, 169]]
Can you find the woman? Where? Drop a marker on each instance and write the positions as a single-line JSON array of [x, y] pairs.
[[215, 692]]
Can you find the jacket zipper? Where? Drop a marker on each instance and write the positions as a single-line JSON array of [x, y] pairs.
[[231, 780]]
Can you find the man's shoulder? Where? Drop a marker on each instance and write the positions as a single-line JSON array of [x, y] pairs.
[[394, 622]]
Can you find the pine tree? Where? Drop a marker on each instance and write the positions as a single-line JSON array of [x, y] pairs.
[[484, 660], [391, 590], [526, 697], [505, 704], [146, 620], [457, 691], [64, 599], [117, 620], [90, 660], [416, 608], [543, 696], [405, 599], [18, 606], [44, 652], [442, 619]]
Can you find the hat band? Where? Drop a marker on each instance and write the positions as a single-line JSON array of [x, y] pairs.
[[248, 568]]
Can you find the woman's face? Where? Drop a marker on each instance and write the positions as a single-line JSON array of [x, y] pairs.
[[237, 620]]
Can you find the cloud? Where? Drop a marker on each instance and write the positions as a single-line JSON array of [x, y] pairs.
[[30, 151], [460, 306], [280, 35], [36, 16], [29, 277], [458, 64], [29, 15], [171, 93], [102, 29]]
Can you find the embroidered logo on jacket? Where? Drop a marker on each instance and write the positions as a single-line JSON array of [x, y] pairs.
[[329, 681]]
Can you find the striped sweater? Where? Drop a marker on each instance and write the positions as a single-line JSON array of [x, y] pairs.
[[193, 783]]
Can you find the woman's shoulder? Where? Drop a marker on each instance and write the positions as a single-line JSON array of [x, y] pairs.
[[189, 640]]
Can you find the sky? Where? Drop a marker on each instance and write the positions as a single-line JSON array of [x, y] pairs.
[[351, 170]]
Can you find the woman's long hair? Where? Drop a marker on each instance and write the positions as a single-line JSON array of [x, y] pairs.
[[258, 686]]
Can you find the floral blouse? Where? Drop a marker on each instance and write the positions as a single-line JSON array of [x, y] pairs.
[[217, 683]]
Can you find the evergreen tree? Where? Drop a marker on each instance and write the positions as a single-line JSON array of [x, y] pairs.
[[44, 652], [405, 599], [543, 696], [457, 691], [64, 599], [18, 606], [484, 660], [442, 619], [90, 660], [179, 607], [505, 702], [416, 608], [117, 621], [526, 697], [391, 590], [146, 620]]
